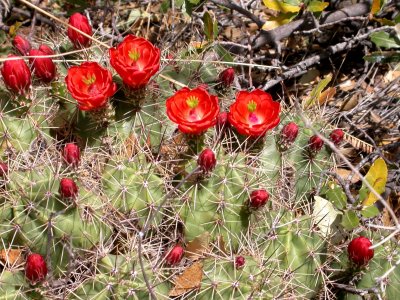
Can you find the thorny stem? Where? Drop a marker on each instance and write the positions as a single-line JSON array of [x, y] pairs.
[[142, 233]]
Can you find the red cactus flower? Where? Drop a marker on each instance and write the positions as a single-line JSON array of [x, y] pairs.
[[16, 75], [3, 169], [68, 188], [337, 136], [207, 160], [239, 261], [46, 49], [90, 85], [359, 251], [193, 110], [35, 268], [44, 68], [72, 154], [227, 77], [254, 113], [289, 133], [174, 256], [80, 22], [21, 44], [222, 120], [136, 60], [315, 143], [258, 198]]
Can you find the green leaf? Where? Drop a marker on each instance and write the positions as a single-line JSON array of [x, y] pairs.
[[210, 26], [223, 54], [316, 92], [337, 196], [324, 214], [350, 220], [370, 212], [384, 39], [383, 57], [317, 6]]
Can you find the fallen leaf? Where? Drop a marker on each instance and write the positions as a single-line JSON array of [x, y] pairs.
[[377, 176], [344, 174], [281, 6], [348, 85], [189, 280], [11, 256], [351, 103], [196, 248], [391, 76], [324, 214], [327, 95]]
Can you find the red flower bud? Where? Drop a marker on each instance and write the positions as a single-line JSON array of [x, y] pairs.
[[207, 160], [239, 262], [72, 154], [337, 136], [44, 68], [222, 120], [289, 133], [315, 143], [21, 44], [174, 256], [359, 251], [3, 169], [35, 268], [258, 198], [80, 22], [16, 75], [68, 188], [46, 49], [227, 76]]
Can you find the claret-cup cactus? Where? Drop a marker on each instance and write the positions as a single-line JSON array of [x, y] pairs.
[[125, 175]]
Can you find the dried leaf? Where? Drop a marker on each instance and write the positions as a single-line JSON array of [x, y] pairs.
[[351, 103], [11, 256], [359, 144], [198, 247], [189, 280], [348, 85], [327, 95], [344, 174]]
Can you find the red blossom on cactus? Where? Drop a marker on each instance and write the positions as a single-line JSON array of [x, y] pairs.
[[258, 198], [359, 251], [315, 144], [254, 113], [16, 75], [46, 49], [68, 188], [337, 136], [90, 85], [289, 133], [21, 44], [193, 110], [35, 268], [72, 154], [207, 160], [227, 77], [136, 60], [44, 68], [174, 255], [239, 262], [80, 22], [3, 169]]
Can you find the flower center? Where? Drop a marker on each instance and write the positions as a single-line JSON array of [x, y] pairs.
[[90, 79], [251, 106], [134, 55], [192, 101]]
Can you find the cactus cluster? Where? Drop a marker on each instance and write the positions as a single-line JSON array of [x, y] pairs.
[[111, 189]]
